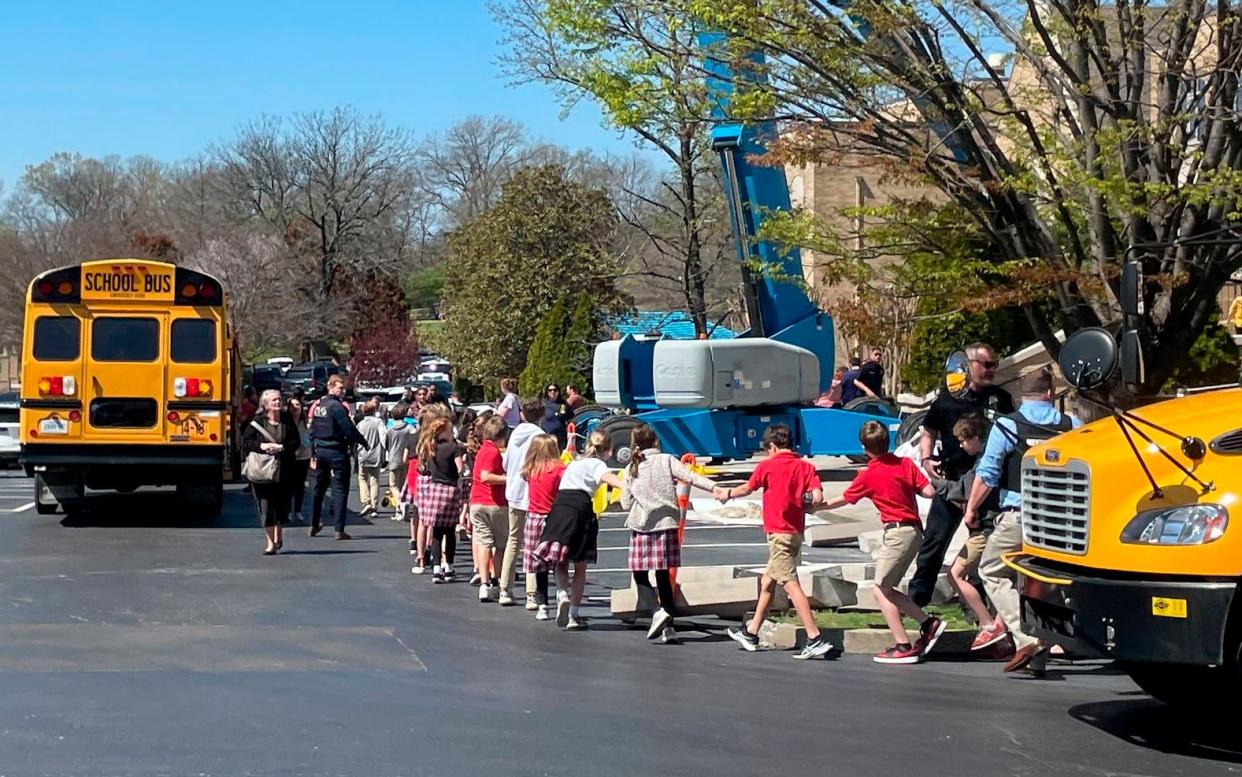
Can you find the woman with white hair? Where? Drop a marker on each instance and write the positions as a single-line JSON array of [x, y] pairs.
[[272, 432]]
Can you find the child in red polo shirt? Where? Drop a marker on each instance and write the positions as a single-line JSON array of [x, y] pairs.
[[891, 484], [786, 479]]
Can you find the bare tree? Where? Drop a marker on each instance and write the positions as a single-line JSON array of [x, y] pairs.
[[463, 170], [334, 182]]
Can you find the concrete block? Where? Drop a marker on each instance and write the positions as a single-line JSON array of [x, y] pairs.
[[836, 531], [832, 592], [867, 641], [870, 541], [864, 599], [871, 641], [854, 572]]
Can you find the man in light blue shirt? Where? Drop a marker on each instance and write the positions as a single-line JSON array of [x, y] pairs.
[[1000, 466]]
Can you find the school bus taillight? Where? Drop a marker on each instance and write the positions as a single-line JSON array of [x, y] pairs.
[[58, 386], [192, 387]]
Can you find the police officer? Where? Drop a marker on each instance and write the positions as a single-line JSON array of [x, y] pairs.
[[332, 434], [1000, 466]]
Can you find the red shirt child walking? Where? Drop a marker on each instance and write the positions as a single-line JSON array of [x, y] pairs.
[[786, 480], [891, 483]]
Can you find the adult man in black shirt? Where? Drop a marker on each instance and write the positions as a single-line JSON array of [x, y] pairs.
[[983, 398], [871, 374]]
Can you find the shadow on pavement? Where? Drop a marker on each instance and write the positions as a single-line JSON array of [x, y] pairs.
[[1153, 725], [341, 552], [160, 511]]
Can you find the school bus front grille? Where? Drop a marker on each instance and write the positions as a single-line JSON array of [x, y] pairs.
[[1056, 506]]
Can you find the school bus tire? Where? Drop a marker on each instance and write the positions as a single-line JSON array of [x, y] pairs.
[[1198, 690]]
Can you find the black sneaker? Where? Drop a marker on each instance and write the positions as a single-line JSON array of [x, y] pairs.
[[437, 577], [748, 641], [814, 648], [450, 576]]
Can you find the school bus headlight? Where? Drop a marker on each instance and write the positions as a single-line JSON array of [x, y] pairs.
[[1196, 524]]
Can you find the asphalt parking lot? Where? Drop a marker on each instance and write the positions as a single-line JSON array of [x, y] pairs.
[[140, 639], [16, 492]]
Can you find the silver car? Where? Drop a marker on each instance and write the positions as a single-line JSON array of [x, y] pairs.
[[10, 436]]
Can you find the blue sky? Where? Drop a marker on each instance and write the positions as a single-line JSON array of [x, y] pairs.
[[168, 78]]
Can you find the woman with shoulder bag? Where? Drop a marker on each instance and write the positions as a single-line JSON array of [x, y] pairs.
[[270, 442]]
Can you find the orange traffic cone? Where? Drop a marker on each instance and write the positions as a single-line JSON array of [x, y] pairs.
[[683, 506]]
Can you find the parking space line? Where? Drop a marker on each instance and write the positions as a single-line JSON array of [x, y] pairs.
[[707, 545], [700, 526]]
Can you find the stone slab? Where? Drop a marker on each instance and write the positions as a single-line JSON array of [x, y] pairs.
[[832, 592], [871, 641]]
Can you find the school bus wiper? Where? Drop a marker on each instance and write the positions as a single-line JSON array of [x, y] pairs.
[[1193, 448]]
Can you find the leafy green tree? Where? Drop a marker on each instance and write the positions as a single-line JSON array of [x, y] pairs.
[[545, 240], [641, 65], [1109, 131], [563, 348], [548, 358]]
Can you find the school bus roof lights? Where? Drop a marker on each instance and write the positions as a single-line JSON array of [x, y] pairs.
[[58, 286], [194, 288]]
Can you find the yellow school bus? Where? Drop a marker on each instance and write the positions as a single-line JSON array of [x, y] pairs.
[[130, 377]]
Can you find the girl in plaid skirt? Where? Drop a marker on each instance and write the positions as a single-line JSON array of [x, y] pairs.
[[415, 480], [542, 471], [649, 493], [439, 496], [571, 528]]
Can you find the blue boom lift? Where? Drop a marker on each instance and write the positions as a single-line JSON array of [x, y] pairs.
[[715, 397]]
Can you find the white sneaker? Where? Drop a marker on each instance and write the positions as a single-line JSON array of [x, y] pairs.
[[658, 621], [532, 602], [543, 613], [417, 569], [485, 593], [476, 579], [506, 598], [576, 624], [668, 636], [562, 609]]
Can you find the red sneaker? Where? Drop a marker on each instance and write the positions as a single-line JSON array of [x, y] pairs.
[[911, 654], [929, 634], [990, 635]]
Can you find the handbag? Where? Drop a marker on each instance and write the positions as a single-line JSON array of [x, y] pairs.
[[261, 467]]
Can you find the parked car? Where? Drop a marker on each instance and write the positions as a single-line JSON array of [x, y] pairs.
[[10, 436], [283, 362], [312, 379], [266, 376]]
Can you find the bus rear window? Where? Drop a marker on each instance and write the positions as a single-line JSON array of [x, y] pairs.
[[193, 341], [57, 338], [125, 339]]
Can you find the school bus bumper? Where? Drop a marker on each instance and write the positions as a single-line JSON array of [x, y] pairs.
[[121, 465], [1139, 618]]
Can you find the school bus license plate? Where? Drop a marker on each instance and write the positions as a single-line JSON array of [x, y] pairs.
[[1168, 608], [53, 426]]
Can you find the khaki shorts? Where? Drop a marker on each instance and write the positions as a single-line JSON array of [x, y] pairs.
[[896, 554], [784, 553], [972, 551], [491, 525]]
